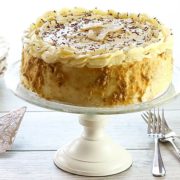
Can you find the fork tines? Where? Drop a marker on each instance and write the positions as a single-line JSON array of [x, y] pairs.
[[154, 121]]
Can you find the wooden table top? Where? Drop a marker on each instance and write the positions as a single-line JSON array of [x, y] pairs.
[[43, 131]]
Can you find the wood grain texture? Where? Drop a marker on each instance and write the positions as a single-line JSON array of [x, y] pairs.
[[51, 130], [39, 166]]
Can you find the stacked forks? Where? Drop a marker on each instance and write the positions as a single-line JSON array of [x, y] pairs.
[[160, 131]]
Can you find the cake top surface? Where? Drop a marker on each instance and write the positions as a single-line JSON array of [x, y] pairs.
[[89, 35], [89, 32]]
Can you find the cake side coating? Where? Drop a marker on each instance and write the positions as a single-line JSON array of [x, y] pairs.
[[128, 83]]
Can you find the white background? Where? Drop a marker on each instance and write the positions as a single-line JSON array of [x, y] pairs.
[[17, 15]]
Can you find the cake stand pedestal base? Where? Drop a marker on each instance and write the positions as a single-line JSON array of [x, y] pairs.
[[94, 153]]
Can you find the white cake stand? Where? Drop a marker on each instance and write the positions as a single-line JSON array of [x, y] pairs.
[[93, 153]]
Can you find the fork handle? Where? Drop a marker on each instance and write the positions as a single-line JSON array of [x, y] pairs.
[[158, 166], [171, 140]]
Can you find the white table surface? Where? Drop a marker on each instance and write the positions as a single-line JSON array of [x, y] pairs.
[[43, 131]]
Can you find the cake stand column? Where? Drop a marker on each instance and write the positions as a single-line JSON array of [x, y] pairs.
[[93, 153]]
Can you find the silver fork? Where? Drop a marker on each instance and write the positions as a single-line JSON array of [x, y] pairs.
[[168, 134], [154, 130]]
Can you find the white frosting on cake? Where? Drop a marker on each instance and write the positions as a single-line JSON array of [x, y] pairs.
[[79, 37]]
